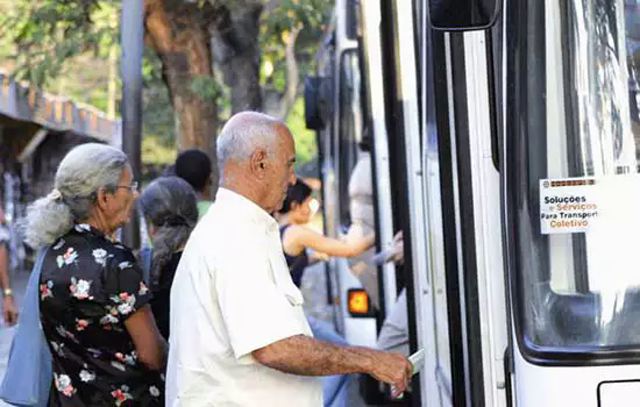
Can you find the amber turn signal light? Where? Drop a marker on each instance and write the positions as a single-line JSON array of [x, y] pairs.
[[358, 303]]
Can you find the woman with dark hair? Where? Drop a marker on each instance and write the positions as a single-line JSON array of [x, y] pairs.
[[297, 238], [169, 205]]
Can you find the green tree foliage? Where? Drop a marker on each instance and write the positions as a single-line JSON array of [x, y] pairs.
[[64, 47], [65, 51], [49, 54], [305, 139], [47, 33], [310, 17], [158, 118], [302, 22]]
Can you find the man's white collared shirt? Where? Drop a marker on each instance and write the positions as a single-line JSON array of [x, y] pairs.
[[233, 294]]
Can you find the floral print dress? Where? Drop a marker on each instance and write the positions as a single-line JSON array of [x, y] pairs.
[[89, 286]]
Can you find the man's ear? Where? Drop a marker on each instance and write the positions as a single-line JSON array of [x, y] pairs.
[[259, 163]]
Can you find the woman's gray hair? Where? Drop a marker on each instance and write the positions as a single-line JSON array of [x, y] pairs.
[[83, 171], [243, 134], [170, 205]]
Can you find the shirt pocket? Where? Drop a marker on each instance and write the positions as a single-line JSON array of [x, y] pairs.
[[282, 278]]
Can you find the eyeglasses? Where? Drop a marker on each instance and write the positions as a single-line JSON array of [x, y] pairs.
[[133, 187]]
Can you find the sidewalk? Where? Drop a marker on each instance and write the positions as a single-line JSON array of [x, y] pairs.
[[18, 283]]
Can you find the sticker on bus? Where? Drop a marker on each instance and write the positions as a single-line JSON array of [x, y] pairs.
[[605, 205], [568, 205]]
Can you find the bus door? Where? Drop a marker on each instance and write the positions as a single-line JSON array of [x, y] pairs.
[[460, 290]]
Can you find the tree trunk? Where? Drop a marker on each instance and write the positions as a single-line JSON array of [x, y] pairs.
[[293, 81], [237, 52], [178, 32]]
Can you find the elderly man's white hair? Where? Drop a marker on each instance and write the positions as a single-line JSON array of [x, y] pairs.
[[243, 134]]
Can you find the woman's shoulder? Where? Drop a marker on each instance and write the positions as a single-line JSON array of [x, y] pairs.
[[297, 237], [121, 251], [83, 244], [299, 230], [119, 257]]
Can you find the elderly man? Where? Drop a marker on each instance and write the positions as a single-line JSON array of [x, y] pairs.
[[238, 333]]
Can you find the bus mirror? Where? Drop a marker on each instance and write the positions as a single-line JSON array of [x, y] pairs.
[[460, 15], [312, 114]]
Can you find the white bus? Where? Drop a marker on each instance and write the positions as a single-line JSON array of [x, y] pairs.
[[505, 143]]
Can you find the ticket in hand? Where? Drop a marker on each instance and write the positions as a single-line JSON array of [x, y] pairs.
[[417, 361]]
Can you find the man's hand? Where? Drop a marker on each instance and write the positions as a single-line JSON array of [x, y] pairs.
[[397, 255], [306, 356], [392, 368], [9, 310]]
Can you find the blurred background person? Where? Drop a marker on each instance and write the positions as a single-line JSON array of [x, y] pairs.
[[362, 212], [297, 238], [9, 308], [194, 166], [394, 334], [170, 209], [94, 307]]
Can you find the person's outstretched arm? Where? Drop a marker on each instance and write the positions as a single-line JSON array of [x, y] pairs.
[[300, 236], [303, 355]]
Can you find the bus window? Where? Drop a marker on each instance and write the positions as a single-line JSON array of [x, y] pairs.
[[573, 177]]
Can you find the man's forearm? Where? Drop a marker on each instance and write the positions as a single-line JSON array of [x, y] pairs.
[[303, 355]]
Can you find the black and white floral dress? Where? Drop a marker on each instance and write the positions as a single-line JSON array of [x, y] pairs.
[[89, 286]]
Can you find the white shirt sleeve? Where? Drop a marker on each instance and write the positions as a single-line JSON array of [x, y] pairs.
[[255, 310]]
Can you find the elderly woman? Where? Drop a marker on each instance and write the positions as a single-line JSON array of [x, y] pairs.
[[94, 307], [169, 205]]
